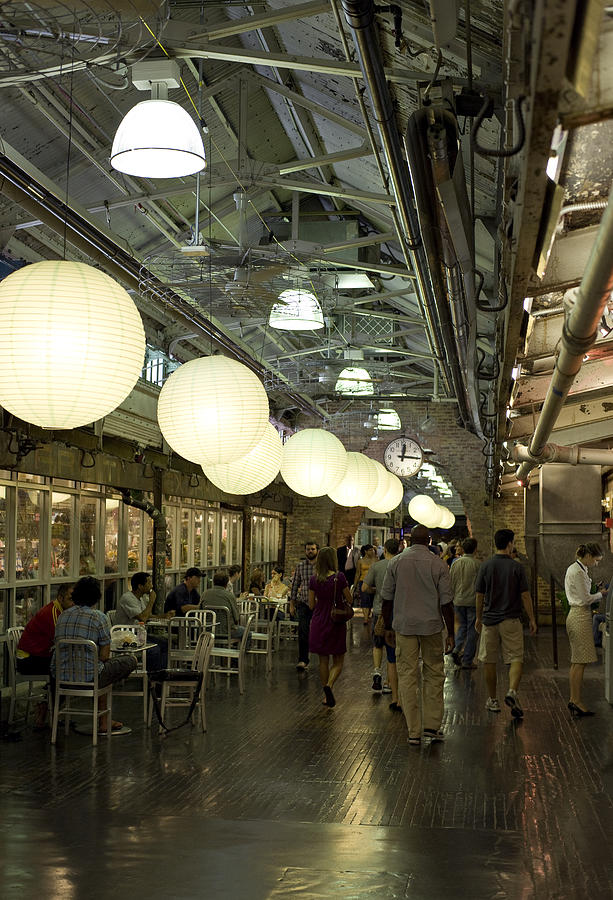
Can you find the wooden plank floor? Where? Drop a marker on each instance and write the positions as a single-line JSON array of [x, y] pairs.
[[283, 797]]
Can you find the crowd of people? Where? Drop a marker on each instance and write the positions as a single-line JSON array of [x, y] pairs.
[[419, 603]]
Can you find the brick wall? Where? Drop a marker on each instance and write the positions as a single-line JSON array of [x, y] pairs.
[[310, 519]]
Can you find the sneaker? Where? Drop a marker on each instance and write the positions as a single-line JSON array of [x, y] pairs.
[[386, 689], [511, 700], [433, 735], [302, 666], [492, 704], [376, 682]]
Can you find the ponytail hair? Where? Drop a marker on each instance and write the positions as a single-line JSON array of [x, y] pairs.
[[584, 550]]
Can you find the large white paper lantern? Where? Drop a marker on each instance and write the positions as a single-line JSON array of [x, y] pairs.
[[314, 462], [251, 472], [422, 507], [392, 496], [383, 486], [213, 410], [72, 344], [433, 518], [448, 519], [358, 484], [158, 139]]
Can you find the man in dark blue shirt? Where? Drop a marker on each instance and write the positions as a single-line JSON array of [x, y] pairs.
[[185, 596]]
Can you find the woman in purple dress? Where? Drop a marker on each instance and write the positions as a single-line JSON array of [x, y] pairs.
[[326, 637]]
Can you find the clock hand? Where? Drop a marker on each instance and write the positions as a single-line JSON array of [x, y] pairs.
[[408, 457], [404, 450]]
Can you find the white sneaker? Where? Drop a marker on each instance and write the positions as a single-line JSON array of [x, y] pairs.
[[492, 704]]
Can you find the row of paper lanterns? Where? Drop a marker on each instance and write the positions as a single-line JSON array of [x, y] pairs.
[[424, 510], [72, 347]]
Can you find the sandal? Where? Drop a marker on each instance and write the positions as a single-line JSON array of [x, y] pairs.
[[115, 726]]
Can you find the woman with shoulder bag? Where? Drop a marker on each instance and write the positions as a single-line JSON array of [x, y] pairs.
[[328, 594]]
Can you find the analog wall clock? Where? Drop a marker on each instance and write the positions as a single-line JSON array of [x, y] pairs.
[[403, 457]]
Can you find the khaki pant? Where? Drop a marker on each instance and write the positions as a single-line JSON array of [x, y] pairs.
[[430, 713]]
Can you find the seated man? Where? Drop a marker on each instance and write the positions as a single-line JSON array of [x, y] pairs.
[[136, 606], [82, 621], [36, 644], [185, 596], [221, 597]]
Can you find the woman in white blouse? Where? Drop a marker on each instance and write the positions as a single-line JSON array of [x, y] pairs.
[[577, 586]]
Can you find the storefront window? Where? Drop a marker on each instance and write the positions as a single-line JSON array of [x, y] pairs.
[[87, 537], [62, 514], [171, 529], [111, 535], [134, 538], [4, 608], [28, 600], [149, 540], [236, 539], [28, 533], [198, 532], [223, 546], [210, 539], [3, 532], [185, 514]]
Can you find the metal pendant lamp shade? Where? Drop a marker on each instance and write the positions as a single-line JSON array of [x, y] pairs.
[[158, 139], [72, 344], [354, 382], [388, 420], [297, 311]]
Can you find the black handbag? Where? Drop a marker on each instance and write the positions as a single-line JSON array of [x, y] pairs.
[[341, 610], [183, 675]]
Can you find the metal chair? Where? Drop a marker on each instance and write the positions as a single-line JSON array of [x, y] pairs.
[[13, 636], [263, 633], [206, 617], [132, 631], [72, 656], [183, 634], [231, 660], [186, 689]]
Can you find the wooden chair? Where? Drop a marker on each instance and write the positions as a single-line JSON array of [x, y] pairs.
[[72, 656]]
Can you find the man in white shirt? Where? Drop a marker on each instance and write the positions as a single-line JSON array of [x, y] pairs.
[[136, 606]]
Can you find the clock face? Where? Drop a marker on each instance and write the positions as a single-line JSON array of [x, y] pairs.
[[403, 457]]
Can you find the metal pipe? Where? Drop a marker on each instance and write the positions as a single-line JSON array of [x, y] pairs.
[[573, 455], [578, 335], [360, 16]]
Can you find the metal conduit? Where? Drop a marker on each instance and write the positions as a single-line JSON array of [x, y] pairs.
[[360, 16], [573, 455], [578, 335], [118, 262]]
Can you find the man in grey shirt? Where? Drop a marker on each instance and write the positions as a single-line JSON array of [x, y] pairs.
[[373, 582], [463, 574], [136, 606], [417, 597], [220, 597]]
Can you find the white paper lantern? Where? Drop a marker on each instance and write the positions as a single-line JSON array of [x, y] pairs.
[[158, 139], [383, 486], [448, 519], [314, 462], [434, 518], [213, 410], [358, 484], [392, 496], [72, 344], [251, 472], [422, 507]]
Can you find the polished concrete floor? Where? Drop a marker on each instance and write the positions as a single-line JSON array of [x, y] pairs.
[[283, 797]]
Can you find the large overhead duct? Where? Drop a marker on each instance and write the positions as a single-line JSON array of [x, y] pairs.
[[585, 307], [360, 16]]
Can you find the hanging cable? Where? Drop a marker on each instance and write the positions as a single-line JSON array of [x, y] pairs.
[[500, 153]]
